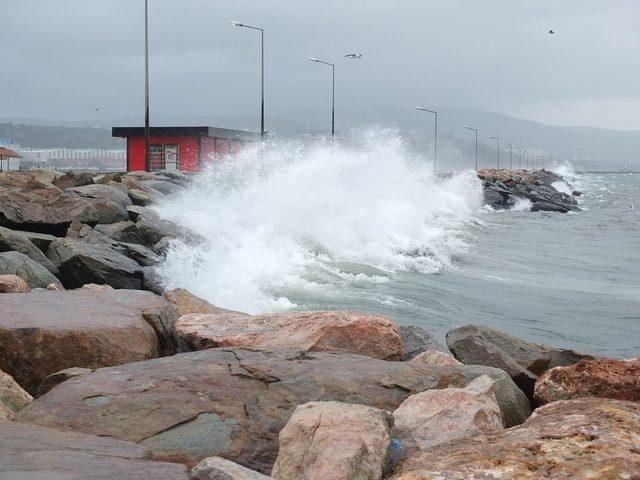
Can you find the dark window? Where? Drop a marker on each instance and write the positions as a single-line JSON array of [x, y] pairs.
[[164, 157]]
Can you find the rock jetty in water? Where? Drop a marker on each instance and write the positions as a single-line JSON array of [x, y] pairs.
[[503, 187], [133, 381]]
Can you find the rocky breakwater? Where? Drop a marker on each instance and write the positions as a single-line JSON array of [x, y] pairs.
[[76, 228], [503, 187]]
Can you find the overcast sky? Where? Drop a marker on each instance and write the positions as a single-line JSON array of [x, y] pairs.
[[64, 58]]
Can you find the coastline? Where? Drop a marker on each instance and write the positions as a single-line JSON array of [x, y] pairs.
[[87, 328]]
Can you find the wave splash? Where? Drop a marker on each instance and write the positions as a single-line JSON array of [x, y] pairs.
[[294, 216]]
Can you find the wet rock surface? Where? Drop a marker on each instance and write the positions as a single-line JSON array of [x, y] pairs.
[[339, 331], [333, 440], [523, 361], [607, 378], [570, 439], [416, 340], [18, 264], [29, 452], [434, 417], [234, 402], [42, 333], [502, 187], [13, 284], [217, 468]]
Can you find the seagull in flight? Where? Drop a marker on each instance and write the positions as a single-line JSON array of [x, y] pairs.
[[353, 55], [551, 32], [98, 108]]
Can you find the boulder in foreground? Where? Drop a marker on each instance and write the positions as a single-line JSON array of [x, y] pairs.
[[607, 377], [80, 262], [233, 402], [338, 331], [44, 332], [12, 397], [29, 452], [416, 340], [333, 440], [571, 439], [16, 263], [184, 302], [434, 417], [217, 468], [523, 361], [13, 284]]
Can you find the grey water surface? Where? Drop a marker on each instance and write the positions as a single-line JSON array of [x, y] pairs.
[[566, 280]]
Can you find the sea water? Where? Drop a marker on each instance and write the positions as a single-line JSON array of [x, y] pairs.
[[371, 228]]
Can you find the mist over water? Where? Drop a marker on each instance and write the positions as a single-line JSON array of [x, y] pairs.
[[371, 229], [293, 217]]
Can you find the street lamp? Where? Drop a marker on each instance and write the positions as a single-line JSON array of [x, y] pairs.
[[510, 154], [526, 158], [476, 132], [147, 133], [238, 24], [333, 95], [498, 147], [435, 136]]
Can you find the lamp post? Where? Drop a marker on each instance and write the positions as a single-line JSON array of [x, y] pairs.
[[333, 95], [526, 158], [510, 154], [435, 136], [238, 24], [147, 132], [498, 147], [476, 132]]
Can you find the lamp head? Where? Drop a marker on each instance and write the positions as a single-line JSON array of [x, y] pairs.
[[313, 59], [236, 23]]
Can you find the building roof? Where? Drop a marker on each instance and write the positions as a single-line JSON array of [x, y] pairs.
[[186, 132], [6, 153]]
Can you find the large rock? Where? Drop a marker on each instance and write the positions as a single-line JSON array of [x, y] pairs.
[[13, 397], [416, 340], [590, 438], [103, 193], [434, 417], [233, 402], [34, 274], [435, 358], [42, 333], [184, 302], [523, 361], [152, 228], [51, 211], [122, 232], [57, 378], [609, 378], [13, 284], [333, 440], [217, 468], [338, 331], [11, 241], [29, 452], [80, 262], [73, 179], [40, 240]]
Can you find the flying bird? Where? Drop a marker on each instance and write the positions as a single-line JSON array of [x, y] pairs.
[[353, 55], [551, 32], [98, 108]]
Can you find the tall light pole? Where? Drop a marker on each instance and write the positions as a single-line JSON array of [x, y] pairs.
[[476, 132], [498, 147], [526, 158], [510, 154], [147, 133], [333, 95], [238, 24], [435, 136]]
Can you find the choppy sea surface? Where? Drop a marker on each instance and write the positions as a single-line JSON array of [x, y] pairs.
[[374, 230]]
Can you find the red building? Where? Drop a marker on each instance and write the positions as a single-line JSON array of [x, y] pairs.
[[188, 149]]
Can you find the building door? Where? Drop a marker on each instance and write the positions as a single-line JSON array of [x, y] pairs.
[[171, 157]]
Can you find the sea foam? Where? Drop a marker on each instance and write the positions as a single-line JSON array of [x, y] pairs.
[[289, 216]]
